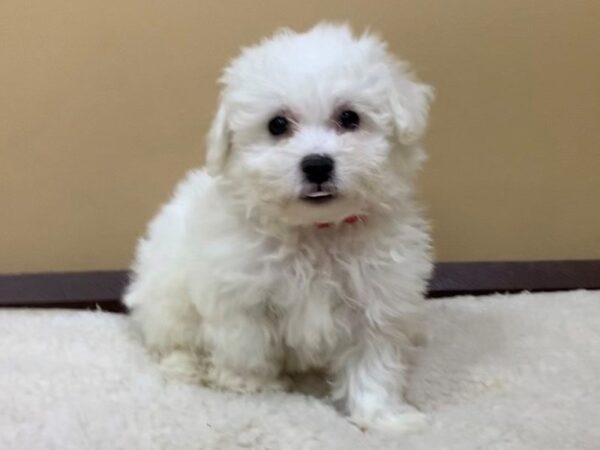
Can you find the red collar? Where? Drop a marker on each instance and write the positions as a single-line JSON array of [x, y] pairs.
[[350, 220]]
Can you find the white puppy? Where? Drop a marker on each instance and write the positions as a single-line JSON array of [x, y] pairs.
[[300, 245]]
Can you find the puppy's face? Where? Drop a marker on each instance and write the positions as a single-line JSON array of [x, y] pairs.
[[316, 127]]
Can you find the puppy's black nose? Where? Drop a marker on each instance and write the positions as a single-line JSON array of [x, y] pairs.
[[317, 168]]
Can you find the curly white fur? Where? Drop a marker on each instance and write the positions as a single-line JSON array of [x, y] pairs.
[[234, 284]]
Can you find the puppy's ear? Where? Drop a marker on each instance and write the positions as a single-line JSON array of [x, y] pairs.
[[409, 103], [218, 141]]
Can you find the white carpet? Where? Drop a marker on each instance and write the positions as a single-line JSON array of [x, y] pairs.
[[500, 372]]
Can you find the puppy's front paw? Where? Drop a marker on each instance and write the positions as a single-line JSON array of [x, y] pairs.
[[400, 420]]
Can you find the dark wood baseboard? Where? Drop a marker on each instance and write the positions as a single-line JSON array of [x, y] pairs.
[[103, 289], [480, 278], [77, 290]]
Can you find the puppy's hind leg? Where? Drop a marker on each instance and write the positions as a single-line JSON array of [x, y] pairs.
[[245, 354], [169, 325]]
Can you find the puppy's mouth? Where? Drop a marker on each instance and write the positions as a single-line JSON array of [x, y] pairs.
[[318, 194]]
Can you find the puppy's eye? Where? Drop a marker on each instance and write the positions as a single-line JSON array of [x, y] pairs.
[[279, 125], [349, 120]]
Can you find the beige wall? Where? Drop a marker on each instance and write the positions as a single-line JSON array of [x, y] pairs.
[[104, 105]]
